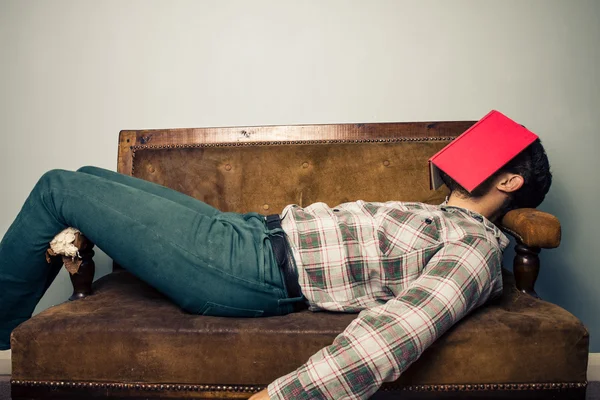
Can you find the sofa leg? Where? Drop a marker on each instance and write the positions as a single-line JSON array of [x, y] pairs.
[[526, 268]]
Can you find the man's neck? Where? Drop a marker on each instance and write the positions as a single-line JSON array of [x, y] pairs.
[[481, 206]]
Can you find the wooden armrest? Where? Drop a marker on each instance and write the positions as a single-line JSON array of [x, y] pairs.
[[82, 270], [532, 228]]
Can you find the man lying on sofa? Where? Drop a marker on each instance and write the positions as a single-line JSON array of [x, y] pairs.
[[412, 270]]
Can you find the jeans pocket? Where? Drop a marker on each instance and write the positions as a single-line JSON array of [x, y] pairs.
[[218, 310]]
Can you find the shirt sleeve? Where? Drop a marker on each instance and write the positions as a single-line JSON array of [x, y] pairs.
[[382, 342]]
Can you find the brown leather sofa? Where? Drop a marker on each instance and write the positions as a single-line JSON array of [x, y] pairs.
[[125, 340]]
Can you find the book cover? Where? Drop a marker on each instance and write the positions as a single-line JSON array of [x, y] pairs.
[[480, 151]]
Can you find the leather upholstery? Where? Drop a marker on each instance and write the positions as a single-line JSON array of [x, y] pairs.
[[128, 332], [267, 178], [533, 228]]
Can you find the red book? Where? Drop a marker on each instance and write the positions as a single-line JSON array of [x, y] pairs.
[[479, 152]]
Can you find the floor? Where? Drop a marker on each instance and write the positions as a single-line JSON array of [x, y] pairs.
[[593, 391]]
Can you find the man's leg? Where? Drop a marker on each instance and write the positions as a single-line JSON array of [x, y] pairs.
[[151, 187], [205, 264]]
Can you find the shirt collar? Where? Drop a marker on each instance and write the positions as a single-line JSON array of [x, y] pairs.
[[500, 236]]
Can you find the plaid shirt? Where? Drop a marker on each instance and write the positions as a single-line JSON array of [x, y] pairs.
[[412, 270]]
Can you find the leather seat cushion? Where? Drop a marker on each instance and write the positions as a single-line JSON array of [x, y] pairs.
[[128, 332]]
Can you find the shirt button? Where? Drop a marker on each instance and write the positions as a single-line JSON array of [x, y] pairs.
[[336, 210], [428, 221], [478, 218]]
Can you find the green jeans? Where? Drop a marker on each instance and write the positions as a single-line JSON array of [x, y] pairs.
[[206, 261]]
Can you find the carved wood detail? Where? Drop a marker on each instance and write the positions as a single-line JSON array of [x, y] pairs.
[[526, 268], [83, 278]]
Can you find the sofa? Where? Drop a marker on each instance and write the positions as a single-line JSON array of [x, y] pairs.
[[120, 338]]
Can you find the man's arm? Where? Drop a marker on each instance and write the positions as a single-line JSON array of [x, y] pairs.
[[382, 342]]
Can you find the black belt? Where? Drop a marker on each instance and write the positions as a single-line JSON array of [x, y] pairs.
[[282, 255]]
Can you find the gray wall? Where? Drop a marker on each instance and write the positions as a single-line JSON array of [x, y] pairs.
[[74, 73]]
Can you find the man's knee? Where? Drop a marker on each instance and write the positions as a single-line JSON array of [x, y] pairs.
[[88, 169], [53, 178]]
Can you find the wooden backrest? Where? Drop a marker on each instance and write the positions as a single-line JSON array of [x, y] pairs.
[[265, 168]]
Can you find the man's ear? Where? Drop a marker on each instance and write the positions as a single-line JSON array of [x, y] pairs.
[[509, 183]]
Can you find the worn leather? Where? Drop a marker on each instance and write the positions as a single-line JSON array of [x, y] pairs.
[[267, 178], [128, 332], [533, 228]]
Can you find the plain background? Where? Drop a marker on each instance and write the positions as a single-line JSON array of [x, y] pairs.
[[74, 73]]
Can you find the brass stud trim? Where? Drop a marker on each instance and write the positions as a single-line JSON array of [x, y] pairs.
[[255, 388], [291, 142]]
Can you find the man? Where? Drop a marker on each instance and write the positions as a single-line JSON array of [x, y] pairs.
[[415, 274], [412, 270]]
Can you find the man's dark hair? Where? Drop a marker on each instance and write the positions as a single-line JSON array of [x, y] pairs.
[[532, 164]]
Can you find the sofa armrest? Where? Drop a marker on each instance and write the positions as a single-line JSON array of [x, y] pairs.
[[533, 230], [81, 267]]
